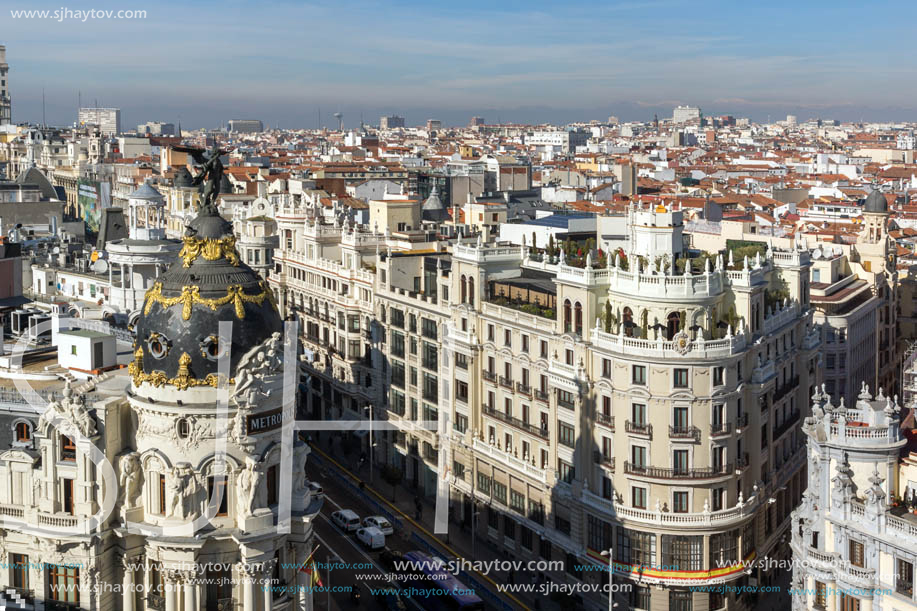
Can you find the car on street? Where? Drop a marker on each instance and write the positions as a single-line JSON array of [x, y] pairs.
[[371, 537], [390, 601], [381, 523], [346, 519], [388, 558]]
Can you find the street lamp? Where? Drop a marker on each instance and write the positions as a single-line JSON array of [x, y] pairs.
[[610, 553]]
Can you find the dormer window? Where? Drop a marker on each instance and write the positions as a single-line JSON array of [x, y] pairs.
[[158, 345], [210, 348], [23, 432], [67, 449]]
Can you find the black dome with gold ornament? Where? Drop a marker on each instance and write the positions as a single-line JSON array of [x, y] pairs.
[[178, 327]]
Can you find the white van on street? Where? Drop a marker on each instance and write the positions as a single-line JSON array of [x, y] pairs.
[[346, 519], [371, 537]]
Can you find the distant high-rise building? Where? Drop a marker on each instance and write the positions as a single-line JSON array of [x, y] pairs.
[[628, 173], [476, 121], [245, 126], [156, 128], [391, 122], [108, 120], [434, 124], [5, 105], [686, 114], [558, 140]]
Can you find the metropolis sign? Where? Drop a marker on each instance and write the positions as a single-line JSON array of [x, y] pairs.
[[267, 421]]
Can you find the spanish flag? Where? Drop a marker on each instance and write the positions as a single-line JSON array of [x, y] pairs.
[[308, 567]]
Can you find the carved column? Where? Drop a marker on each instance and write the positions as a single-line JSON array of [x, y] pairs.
[[303, 583], [171, 590], [190, 590], [266, 585], [127, 595], [248, 587]]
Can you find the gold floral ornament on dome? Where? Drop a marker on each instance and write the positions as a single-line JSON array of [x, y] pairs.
[[211, 249], [182, 381], [191, 295]]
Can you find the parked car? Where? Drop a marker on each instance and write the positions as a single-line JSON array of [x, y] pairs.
[[346, 519], [388, 558], [371, 537], [381, 523], [390, 601], [316, 489]]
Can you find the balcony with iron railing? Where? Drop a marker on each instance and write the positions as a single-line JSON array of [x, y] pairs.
[[638, 428], [791, 421], [741, 421], [541, 395], [516, 422], [506, 382], [742, 461], [155, 601], [490, 376], [604, 460], [25, 597], [606, 420], [523, 389], [720, 429], [684, 432], [790, 385], [678, 472]]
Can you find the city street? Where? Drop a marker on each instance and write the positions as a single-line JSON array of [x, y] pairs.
[[334, 541], [335, 546]]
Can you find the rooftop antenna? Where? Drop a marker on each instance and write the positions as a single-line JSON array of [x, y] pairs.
[[43, 122]]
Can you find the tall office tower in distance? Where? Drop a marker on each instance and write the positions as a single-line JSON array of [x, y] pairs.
[[391, 122], [685, 114], [245, 126], [107, 119], [5, 105]]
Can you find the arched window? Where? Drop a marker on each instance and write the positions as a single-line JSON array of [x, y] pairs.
[[628, 322], [673, 322], [156, 486], [464, 290], [567, 316], [471, 290], [23, 432], [67, 449], [578, 310]]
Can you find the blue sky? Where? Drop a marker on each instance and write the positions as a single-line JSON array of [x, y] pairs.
[[206, 62]]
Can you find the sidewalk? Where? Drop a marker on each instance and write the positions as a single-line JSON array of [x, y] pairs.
[[458, 541]]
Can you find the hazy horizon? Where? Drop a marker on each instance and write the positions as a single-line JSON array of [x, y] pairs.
[[530, 62]]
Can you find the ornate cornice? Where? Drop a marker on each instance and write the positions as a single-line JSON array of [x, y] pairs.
[[190, 295], [211, 249], [182, 381]]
